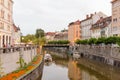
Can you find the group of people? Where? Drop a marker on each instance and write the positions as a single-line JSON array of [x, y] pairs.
[[7, 45]]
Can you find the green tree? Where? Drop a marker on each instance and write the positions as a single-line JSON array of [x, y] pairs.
[[100, 40], [92, 41], [39, 33], [28, 38], [111, 40]]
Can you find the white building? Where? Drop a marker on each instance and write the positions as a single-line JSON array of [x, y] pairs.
[[87, 23], [6, 22], [16, 35], [102, 28]]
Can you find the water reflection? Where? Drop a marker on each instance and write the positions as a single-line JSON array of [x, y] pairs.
[[63, 68], [73, 71]]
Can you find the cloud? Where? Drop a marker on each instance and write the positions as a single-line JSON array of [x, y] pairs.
[[54, 15]]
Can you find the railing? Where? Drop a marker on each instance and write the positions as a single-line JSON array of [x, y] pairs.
[[16, 49]]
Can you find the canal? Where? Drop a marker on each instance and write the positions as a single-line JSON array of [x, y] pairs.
[[64, 67]]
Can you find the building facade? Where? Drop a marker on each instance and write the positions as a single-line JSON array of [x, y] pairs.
[[74, 31], [87, 23], [116, 17], [85, 27], [61, 36], [6, 23], [50, 36], [16, 35], [102, 28]]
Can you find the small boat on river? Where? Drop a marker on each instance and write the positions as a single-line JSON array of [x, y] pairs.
[[47, 58]]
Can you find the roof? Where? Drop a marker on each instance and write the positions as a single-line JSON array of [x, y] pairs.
[[50, 33], [16, 28], [74, 23], [102, 22], [113, 1]]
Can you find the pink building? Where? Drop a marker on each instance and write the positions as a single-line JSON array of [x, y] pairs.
[[74, 31]]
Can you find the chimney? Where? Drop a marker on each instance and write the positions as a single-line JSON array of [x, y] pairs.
[[91, 15], [87, 16], [95, 12]]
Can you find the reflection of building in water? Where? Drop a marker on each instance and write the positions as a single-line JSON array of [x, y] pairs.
[[87, 76], [73, 71]]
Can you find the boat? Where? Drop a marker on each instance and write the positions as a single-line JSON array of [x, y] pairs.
[[76, 55], [47, 58]]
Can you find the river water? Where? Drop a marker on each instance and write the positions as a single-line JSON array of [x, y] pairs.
[[66, 68]]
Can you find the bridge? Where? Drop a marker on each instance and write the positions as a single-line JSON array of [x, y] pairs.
[[56, 45]]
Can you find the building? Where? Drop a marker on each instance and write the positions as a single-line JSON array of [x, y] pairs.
[[61, 35], [6, 23], [74, 31], [87, 23], [116, 17], [50, 36], [102, 28], [85, 27], [16, 35]]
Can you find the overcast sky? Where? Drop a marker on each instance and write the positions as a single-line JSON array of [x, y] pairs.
[[54, 15]]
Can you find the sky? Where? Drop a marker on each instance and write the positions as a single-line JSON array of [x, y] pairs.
[[54, 15]]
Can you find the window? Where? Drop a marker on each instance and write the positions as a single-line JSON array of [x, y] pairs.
[[2, 14], [1, 25], [8, 17], [8, 28], [2, 2], [9, 5], [115, 20], [115, 28]]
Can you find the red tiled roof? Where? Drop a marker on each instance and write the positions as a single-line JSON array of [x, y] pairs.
[[74, 23], [16, 28], [103, 22], [113, 1], [50, 33]]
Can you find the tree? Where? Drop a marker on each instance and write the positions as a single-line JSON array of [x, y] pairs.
[[92, 41], [28, 38], [100, 40], [39, 33]]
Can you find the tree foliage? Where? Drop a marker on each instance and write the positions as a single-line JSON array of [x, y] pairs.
[[109, 40], [39, 33], [59, 42]]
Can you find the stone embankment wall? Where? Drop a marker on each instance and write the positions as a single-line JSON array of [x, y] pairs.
[[57, 49], [35, 74], [106, 54], [10, 56]]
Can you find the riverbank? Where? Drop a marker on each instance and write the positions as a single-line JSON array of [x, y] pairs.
[[21, 73]]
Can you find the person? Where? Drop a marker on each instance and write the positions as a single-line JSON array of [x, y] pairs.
[[4, 46]]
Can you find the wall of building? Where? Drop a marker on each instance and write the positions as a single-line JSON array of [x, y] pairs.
[[6, 22], [74, 31], [116, 18]]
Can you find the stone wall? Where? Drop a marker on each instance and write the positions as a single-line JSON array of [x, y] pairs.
[[106, 54], [10, 57]]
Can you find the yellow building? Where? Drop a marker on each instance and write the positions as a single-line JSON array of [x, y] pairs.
[[74, 31], [6, 23], [116, 17]]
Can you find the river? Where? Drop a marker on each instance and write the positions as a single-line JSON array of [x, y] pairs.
[[66, 68]]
